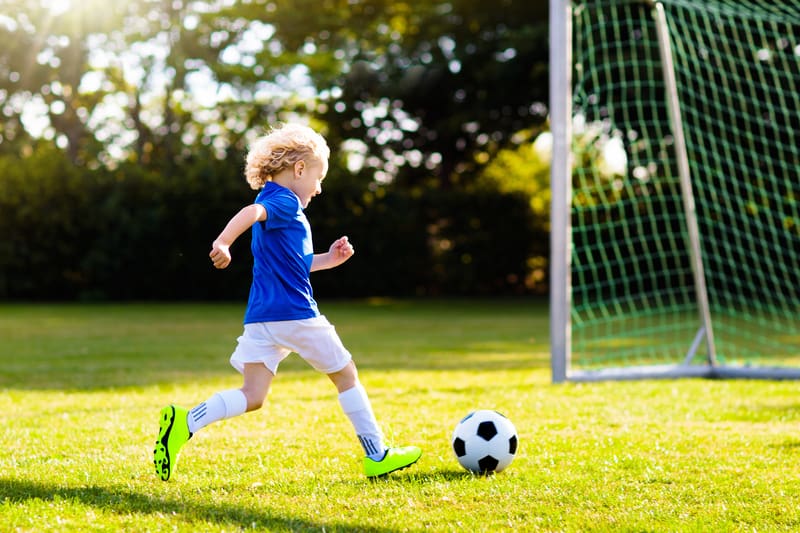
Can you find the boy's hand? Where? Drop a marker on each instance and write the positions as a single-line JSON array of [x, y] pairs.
[[220, 255], [340, 251]]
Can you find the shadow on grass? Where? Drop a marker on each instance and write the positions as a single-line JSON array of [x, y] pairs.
[[788, 444], [124, 502], [445, 476]]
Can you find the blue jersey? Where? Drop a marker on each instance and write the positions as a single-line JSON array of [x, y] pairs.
[[282, 255]]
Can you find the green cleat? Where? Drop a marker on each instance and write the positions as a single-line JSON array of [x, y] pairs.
[[394, 459], [173, 433]]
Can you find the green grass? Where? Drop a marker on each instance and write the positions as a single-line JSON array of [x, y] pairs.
[[81, 387]]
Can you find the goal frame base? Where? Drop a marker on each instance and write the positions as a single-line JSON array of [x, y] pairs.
[[684, 371]]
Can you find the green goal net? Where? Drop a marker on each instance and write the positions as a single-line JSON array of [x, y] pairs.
[[682, 224]]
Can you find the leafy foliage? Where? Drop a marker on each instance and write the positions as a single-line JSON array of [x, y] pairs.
[[135, 116]]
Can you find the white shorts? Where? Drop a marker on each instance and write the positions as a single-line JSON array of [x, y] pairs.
[[269, 343]]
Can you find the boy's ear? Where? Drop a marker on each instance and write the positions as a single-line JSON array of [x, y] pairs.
[[299, 167]]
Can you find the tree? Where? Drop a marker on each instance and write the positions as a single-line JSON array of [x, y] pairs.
[[433, 87], [44, 59], [153, 102]]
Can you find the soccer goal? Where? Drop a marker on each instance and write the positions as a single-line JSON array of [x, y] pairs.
[[675, 189]]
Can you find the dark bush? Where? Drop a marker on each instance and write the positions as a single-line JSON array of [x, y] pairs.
[[133, 233]]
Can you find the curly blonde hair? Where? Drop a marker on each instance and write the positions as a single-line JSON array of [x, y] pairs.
[[280, 149]]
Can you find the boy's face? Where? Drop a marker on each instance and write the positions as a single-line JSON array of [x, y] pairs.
[[308, 176]]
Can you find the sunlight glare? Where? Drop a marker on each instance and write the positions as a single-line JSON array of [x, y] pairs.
[[57, 7]]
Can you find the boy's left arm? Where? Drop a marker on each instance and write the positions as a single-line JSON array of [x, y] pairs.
[[220, 249], [340, 251]]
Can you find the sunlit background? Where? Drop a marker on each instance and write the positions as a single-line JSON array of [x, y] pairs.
[[433, 110]]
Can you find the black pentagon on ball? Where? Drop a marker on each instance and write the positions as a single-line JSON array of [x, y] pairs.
[[460, 447], [487, 430], [488, 464], [512, 445]]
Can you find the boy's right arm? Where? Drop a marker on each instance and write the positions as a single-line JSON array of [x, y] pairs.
[[220, 249]]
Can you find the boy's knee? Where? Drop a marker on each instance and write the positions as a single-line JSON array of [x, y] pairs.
[[254, 405], [255, 400], [345, 378]]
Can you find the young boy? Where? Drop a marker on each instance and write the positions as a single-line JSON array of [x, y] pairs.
[[288, 165]]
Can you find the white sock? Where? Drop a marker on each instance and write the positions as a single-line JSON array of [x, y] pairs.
[[225, 404], [355, 404]]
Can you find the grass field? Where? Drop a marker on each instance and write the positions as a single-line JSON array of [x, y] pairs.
[[81, 387]]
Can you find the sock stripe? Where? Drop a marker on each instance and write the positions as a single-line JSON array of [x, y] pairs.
[[368, 445], [199, 411], [363, 444]]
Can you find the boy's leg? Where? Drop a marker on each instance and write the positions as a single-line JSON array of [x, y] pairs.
[[177, 425], [316, 341], [356, 405], [225, 404], [230, 403], [379, 459]]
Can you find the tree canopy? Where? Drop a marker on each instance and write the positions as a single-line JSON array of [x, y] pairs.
[[416, 98]]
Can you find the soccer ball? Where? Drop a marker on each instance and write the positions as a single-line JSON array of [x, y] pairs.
[[485, 442]]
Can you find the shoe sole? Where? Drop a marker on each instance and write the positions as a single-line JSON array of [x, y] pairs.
[[161, 458]]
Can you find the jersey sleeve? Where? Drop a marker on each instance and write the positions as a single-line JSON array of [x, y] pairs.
[[281, 209]]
